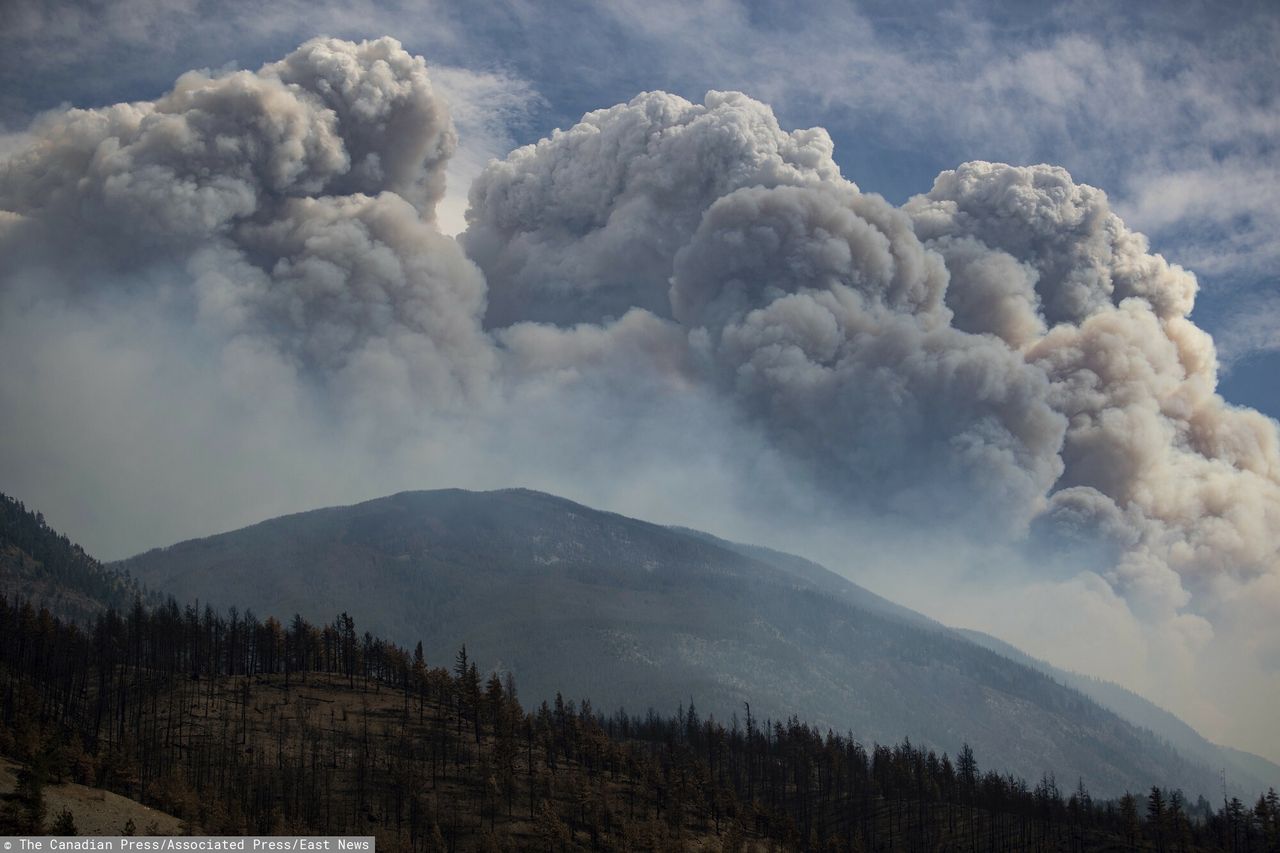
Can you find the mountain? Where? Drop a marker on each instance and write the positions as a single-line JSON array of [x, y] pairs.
[[1244, 770], [40, 565], [567, 598]]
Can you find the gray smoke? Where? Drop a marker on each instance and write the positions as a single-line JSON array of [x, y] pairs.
[[818, 312], [1003, 353], [291, 206], [1084, 257], [583, 225], [1154, 462], [242, 281]]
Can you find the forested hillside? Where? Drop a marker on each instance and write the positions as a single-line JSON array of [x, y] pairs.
[[632, 614], [234, 723], [240, 725], [39, 564]]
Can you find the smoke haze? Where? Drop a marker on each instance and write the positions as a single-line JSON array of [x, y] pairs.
[[236, 300]]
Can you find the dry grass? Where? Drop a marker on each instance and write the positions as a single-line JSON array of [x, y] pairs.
[[96, 812]]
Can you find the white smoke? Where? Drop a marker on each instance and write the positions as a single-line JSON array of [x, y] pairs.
[[1155, 463], [239, 290]]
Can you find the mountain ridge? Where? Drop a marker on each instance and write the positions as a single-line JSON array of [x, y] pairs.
[[1251, 771], [602, 605]]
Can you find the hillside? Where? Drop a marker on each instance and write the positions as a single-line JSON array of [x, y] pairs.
[[43, 566], [95, 811], [1244, 770], [233, 726], [633, 614], [242, 726]]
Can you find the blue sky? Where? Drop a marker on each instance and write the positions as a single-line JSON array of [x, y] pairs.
[[1170, 107]]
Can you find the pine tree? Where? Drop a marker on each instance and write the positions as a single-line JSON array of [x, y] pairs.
[[1179, 826], [967, 768], [1129, 818], [1272, 830], [460, 664], [1156, 816], [64, 824], [550, 829], [29, 795]]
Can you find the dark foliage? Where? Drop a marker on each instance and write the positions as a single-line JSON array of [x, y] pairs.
[[38, 563], [240, 725]]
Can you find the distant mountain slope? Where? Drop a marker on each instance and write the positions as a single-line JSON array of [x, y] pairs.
[[46, 568], [822, 578], [630, 613], [1245, 771]]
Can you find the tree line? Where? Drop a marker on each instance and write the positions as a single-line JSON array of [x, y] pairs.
[[240, 724], [83, 584]]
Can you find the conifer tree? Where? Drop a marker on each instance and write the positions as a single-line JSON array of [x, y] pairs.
[[64, 824]]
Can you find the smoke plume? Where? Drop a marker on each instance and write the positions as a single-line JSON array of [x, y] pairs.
[[239, 289]]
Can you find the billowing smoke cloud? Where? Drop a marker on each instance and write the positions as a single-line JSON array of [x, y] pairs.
[[664, 296], [296, 203], [819, 312], [583, 226], [1155, 465], [1083, 257]]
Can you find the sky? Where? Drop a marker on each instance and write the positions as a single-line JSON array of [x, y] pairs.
[[791, 315]]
